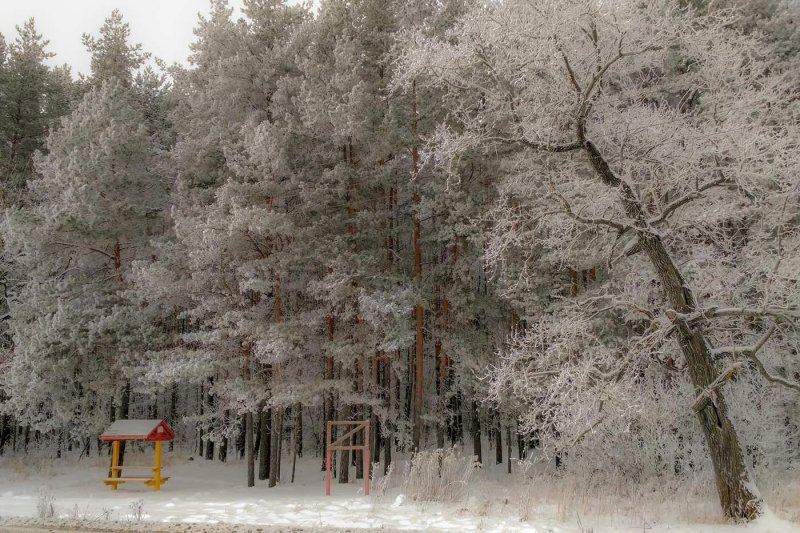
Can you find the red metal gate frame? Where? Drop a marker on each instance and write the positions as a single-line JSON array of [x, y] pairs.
[[343, 443]]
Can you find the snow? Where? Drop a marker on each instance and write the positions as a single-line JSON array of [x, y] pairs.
[[211, 497], [133, 427]]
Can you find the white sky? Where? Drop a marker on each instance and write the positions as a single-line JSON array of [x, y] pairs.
[[164, 27]]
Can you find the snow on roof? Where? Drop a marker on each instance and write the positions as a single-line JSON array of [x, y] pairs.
[[138, 429]]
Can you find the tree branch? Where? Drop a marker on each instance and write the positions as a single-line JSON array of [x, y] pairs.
[[675, 205], [786, 313], [90, 248], [594, 424], [751, 352], [706, 397], [745, 350], [554, 148], [572, 80], [593, 221], [587, 95]]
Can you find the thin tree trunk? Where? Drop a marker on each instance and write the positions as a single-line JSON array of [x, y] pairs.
[[124, 408], [344, 464], [328, 403], [508, 446], [279, 431], [264, 445], [388, 437], [257, 430], [297, 435], [222, 449], [274, 460], [418, 311], [210, 403], [173, 408], [498, 443], [249, 451], [477, 451], [200, 442]]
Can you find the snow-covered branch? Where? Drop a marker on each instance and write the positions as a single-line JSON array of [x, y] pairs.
[[706, 397], [683, 200]]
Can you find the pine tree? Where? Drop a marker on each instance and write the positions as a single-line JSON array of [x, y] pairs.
[[32, 97], [94, 205], [113, 57]]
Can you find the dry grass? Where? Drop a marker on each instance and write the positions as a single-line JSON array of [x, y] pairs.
[[693, 500], [439, 476]]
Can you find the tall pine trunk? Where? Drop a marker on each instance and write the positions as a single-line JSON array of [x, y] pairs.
[[477, 450], [344, 463], [248, 448], [124, 411], [418, 311], [264, 444], [275, 446], [498, 442], [328, 402], [297, 435]]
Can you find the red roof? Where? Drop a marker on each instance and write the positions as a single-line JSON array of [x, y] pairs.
[[147, 430]]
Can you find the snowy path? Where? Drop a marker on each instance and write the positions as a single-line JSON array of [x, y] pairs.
[[205, 497]]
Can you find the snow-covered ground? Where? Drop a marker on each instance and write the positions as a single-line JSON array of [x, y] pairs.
[[213, 495]]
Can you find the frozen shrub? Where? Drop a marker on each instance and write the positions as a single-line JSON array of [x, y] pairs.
[[381, 485], [438, 476], [137, 510], [45, 506], [522, 492]]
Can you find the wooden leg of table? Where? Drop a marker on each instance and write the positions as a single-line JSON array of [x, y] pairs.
[[157, 468], [114, 462]]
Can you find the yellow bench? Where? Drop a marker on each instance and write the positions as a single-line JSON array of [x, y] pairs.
[[116, 470]]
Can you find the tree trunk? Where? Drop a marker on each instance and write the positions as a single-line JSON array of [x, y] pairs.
[[210, 403], [275, 455], [279, 432], [200, 442], [737, 493], [418, 311], [358, 455], [344, 463], [249, 451], [240, 442], [477, 451], [264, 445], [297, 435], [124, 409], [498, 444], [328, 405], [388, 380], [173, 409], [508, 446]]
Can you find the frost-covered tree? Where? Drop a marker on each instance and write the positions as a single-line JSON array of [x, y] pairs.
[[661, 140], [113, 56], [217, 271], [32, 97], [95, 203]]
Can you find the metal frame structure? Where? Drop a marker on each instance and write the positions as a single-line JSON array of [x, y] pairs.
[[343, 443]]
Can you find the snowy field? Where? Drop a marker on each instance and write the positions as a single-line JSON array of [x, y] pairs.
[[206, 496]]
